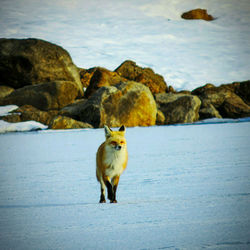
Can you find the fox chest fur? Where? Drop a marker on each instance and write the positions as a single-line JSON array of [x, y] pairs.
[[115, 161]]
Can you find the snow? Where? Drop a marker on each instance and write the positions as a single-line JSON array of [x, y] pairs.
[[18, 126], [105, 33], [186, 187]]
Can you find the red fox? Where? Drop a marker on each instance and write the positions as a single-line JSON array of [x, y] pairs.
[[111, 161]]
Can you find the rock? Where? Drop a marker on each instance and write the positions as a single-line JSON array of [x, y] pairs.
[[5, 90], [225, 99], [44, 96], [146, 76], [73, 110], [213, 95], [202, 89], [160, 118], [102, 77], [178, 108], [30, 113], [85, 76], [209, 112], [197, 14], [33, 61], [130, 103], [242, 89], [234, 107], [63, 122]]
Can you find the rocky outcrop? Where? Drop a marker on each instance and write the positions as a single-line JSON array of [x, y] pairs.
[[30, 113], [130, 103], [63, 122], [33, 61], [5, 90], [178, 108], [146, 76], [44, 96], [223, 101], [197, 14], [102, 77]]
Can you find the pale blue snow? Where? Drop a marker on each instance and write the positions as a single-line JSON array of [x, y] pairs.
[[186, 187]]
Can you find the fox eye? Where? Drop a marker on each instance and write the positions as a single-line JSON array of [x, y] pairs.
[[113, 143], [122, 142]]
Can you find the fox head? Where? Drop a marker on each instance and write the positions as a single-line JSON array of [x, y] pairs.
[[115, 139]]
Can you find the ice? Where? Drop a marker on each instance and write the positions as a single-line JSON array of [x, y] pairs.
[[185, 187], [18, 126]]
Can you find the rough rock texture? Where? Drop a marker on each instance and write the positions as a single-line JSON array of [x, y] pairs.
[[45, 96], [242, 89], [178, 108], [226, 99], [197, 14], [73, 110], [33, 61], [146, 76], [5, 90], [209, 112], [234, 107], [130, 103], [102, 77], [63, 122]]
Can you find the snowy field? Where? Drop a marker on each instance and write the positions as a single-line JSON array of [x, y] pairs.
[[186, 187], [151, 32]]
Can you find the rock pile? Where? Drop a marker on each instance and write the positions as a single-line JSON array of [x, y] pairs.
[[41, 78]]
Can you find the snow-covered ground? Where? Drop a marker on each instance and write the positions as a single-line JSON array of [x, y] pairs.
[[105, 33], [186, 187]]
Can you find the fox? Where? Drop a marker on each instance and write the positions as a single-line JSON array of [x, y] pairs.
[[111, 161]]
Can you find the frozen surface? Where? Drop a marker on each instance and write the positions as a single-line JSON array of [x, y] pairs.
[[186, 187], [19, 126], [105, 33]]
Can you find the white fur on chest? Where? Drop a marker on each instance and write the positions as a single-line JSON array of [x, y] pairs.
[[114, 160]]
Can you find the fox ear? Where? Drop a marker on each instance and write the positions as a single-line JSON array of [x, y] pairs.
[[122, 128], [107, 131]]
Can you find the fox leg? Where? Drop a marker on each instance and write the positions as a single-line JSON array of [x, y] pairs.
[[115, 182], [102, 197], [109, 187]]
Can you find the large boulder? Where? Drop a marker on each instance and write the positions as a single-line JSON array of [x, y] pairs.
[[130, 103], [146, 76], [33, 61], [197, 14], [64, 122], [226, 99], [178, 108], [209, 112], [242, 89], [234, 107], [101, 77], [5, 91], [44, 96]]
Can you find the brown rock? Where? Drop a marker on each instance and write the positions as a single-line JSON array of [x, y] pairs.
[[33, 61], [178, 108], [5, 90], [63, 122], [130, 103], [209, 112], [234, 107], [73, 110], [197, 14], [146, 76], [242, 89], [45, 96], [102, 77]]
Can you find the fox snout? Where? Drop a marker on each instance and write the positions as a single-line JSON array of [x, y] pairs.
[[118, 147]]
